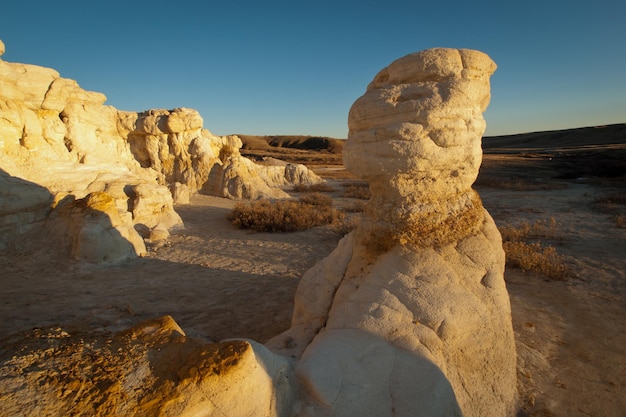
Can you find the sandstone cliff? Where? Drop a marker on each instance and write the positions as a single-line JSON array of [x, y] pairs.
[[59, 138]]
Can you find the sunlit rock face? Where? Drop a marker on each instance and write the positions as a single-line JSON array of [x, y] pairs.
[[152, 369], [415, 136], [410, 314], [58, 137]]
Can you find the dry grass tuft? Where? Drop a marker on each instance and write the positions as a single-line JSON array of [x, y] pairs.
[[355, 207], [285, 215], [540, 229], [533, 256], [357, 190], [614, 204], [346, 224], [613, 199], [321, 187], [317, 199], [536, 258]]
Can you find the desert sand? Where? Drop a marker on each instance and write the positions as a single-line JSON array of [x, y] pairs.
[[218, 281]]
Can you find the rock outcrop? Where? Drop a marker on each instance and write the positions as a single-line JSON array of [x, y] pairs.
[[65, 140], [152, 369], [410, 314]]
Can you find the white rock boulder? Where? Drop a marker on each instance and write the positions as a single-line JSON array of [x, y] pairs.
[[410, 314], [152, 369]]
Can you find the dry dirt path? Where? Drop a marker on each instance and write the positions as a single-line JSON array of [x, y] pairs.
[[217, 281]]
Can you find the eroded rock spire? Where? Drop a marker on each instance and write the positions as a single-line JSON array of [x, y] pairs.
[[415, 136]]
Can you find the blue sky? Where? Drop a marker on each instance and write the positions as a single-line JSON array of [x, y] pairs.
[[293, 67]]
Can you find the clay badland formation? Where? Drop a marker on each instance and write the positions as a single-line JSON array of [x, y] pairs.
[[408, 316], [103, 180], [392, 322]]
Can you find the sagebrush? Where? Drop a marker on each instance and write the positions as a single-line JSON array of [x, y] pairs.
[[321, 187], [524, 250], [285, 215], [357, 190]]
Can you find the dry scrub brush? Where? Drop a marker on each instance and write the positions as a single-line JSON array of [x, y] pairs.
[[286, 215], [540, 229], [536, 258], [615, 204], [357, 190], [532, 256], [321, 187]]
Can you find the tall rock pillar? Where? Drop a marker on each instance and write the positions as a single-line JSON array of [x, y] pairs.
[[410, 314]]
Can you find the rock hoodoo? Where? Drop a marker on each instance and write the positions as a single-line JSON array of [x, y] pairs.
[[60, 143], [410, 314]]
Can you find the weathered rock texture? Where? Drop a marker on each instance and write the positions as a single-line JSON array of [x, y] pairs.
[[150, 370], [58, 137], [410, 314]]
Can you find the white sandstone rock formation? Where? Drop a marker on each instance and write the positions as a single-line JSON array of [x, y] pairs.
[[410, 314], [150, 370], [59, 137]]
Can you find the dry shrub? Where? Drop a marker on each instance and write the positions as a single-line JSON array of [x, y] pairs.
[[360, 191], [346, 224], [613, 204], [356, 207], [613, 199], [321, 187], [533, 256], [536, 258], [540, 229], [282, 216], [317, 199]]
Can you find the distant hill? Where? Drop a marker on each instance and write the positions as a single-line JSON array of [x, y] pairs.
[[614, 134], [598, 151], [568, 138], [306, 143]]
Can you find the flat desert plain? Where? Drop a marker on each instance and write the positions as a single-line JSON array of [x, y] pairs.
[[218, 281]]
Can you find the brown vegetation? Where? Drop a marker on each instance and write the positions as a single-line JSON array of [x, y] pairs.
[[357, 190], [286, 215], [614, 204], [321, 187], [524, 250]]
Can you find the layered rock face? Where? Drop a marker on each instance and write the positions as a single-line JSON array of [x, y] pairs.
[[152, 369], [415, 136], [410, 314], [55, 136]]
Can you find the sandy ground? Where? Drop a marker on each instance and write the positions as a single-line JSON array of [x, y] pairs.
[[218, 281]]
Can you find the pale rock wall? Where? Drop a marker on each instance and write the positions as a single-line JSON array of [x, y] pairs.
[[58, 136]]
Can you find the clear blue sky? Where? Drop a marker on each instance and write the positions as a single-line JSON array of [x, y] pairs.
[[293, 67]]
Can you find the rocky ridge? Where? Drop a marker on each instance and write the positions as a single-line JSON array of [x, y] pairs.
[[60, 144]]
